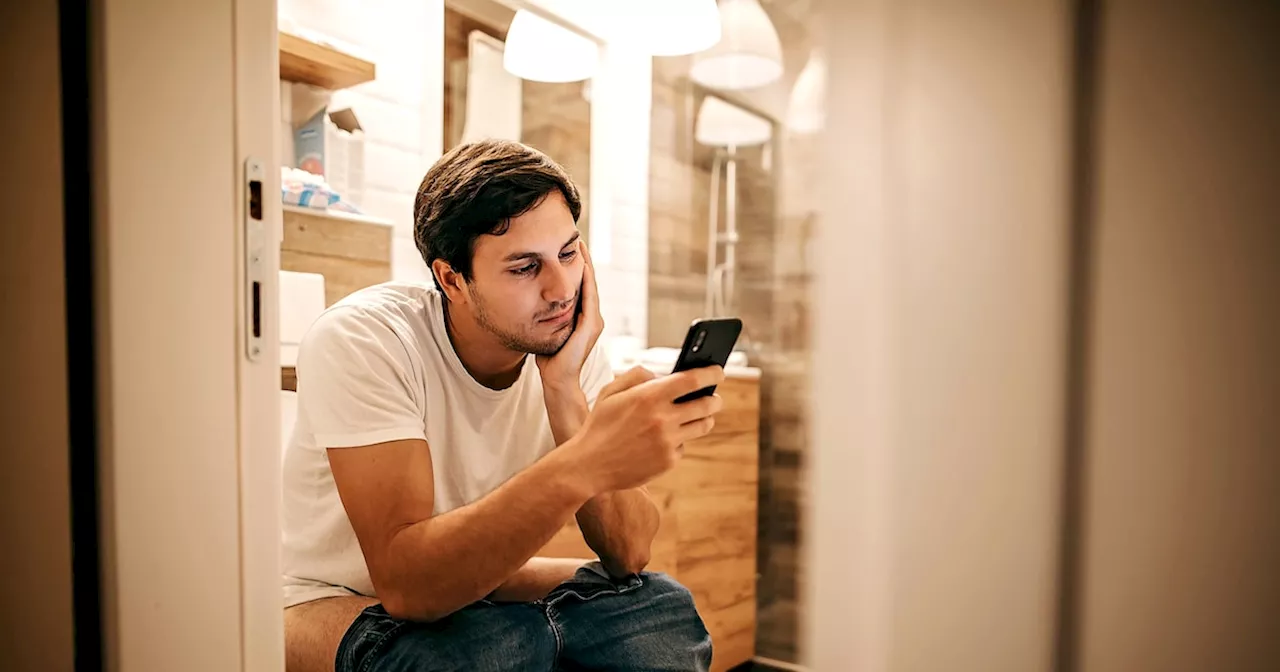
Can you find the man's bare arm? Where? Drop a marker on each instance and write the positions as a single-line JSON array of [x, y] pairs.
[[619, 526], [425, 567], [537, 578]]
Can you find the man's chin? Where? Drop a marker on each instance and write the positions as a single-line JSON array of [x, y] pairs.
[[550, 346]]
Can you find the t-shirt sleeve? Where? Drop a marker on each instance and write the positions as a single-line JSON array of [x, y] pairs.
[[596, 373], [355, 382]]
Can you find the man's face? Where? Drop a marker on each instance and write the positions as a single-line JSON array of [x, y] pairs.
[[525, 282]]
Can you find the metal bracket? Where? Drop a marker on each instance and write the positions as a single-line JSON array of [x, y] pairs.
[[255, 241]]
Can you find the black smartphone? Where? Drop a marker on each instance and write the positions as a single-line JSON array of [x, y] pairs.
[[707, 343]]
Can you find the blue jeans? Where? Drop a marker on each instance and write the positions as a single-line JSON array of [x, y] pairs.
[[645, 622]]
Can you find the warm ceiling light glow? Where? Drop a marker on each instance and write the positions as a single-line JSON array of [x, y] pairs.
[[541, 51], [722, 124], [664, 27]]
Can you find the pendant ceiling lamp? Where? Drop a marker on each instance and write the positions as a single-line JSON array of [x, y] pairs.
[[749, 53], [805, 113], [541, 51]]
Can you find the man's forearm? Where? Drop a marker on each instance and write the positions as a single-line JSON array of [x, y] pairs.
[[619, 526], [446, 562], [537, 578], [566, 410]]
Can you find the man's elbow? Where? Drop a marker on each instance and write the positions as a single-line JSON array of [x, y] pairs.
[[401, 606]]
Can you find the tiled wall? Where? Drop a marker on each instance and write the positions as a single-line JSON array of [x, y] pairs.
[[678, 199], [400, 110], [786, 426]]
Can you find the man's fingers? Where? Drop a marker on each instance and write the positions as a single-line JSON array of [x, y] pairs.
[[696, 429], [590, 292], [679, 384], [697, 409], [632, 377]]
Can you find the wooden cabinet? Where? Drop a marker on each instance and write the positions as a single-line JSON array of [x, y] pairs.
[[707, 540]]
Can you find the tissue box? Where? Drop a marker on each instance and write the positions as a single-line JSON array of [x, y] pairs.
[[331, 144], [301, 302]]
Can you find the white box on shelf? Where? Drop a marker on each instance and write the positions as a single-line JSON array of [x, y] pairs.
[[329, 141]]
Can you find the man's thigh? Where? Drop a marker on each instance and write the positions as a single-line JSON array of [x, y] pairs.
[[312, 631], [484, 637], [646, 622]]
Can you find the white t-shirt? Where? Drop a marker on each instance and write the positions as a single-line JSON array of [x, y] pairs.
[[378, 366]]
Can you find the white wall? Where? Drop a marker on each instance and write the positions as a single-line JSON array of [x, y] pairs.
[[401, 111], [621, 101]]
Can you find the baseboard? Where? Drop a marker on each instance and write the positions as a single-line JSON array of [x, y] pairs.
[[762, 663]]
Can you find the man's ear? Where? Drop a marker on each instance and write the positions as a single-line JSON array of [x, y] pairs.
[[451, 281]]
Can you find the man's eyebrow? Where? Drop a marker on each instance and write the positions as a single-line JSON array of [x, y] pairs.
[[520, 256]]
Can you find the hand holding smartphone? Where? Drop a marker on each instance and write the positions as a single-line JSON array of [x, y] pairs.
[[708, 343]]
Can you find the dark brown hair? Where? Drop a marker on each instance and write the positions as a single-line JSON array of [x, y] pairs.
[[477, 189]]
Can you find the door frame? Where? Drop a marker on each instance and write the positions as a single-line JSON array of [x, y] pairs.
[[257, 109]]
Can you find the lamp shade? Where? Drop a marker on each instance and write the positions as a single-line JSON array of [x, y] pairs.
[[805, 113], [723, 124], [541, 51], [749, 53], [663, 27]]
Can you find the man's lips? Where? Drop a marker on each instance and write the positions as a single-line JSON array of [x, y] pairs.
[[559, 316]]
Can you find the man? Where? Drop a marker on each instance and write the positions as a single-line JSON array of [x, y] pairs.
[[446, 432]]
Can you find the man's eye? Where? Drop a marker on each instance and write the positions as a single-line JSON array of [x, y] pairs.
[[524, 270], [566, 256]]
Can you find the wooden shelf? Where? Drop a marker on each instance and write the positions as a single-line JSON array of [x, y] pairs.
[[302, 60], [337, 215]]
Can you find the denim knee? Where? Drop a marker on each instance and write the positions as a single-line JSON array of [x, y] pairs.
[[649, 623], [661, 593], [664, 586]]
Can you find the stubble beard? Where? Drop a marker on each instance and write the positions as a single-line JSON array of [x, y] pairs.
[[520, 342]]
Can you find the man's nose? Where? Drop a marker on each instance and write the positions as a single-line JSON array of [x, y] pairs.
[[560, 284]]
